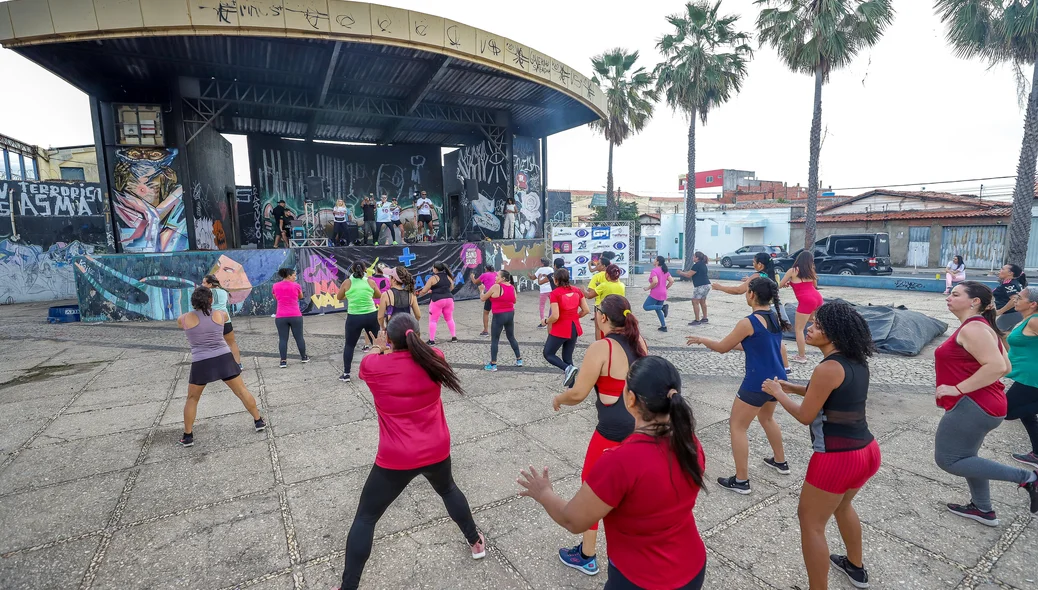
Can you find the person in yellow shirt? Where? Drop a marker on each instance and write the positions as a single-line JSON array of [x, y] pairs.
[[605, 282]]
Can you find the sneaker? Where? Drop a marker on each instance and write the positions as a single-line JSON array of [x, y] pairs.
[[1032, 491], [305, 359], [1028, 459], [662, 328], [542, 327], [394, 243], [484, 333], [188, 440], [490, 367], [260, 425], [782, 468], [366, 348], [518, 362], [572, 557], [345, 377], [730, 483], [695, 322], [971, 511], [666, 309], [479, 548], [947, 292], [571, 376], [858, 576], [431, 342], [282, 364], [704, 321], [799, 359], [454, 338]]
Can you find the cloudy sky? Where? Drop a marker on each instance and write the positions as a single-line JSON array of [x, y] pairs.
[[908, 111]]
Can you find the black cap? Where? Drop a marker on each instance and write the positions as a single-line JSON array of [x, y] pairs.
[[281, 201]]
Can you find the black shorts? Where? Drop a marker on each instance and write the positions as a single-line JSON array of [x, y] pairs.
[[486, 305], [756, 399], [396, 222], [425, 218], [227, 328], [218, 368]]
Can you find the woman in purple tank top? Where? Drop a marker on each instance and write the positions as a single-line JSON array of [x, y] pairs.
[[211, 360]]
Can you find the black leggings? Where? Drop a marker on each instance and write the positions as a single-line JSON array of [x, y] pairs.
[[504, 320], [380, 490], [618, 581], [551, 348], [356, 323], [1023, 405], [296, 325], [378, 230]]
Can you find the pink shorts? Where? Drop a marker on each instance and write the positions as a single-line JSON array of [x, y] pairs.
[[837, 473]]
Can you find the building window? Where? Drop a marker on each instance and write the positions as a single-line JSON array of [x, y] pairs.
[[709, 178], [30, 168], [650, 243], [713, 231], [727, 230], [71, 173]]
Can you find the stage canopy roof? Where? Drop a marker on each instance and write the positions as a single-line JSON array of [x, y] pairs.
[[313, 69]]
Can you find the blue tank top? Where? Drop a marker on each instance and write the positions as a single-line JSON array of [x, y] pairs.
[[763, 352]]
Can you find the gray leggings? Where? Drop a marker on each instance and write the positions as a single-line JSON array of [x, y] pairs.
[[959, 436]]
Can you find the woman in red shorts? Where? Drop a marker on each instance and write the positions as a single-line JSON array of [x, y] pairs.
[[845, 453], [804, 280], [644, 490], [604, 369]]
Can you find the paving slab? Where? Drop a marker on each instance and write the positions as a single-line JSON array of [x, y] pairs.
[[60, 566], [327, 451], [48, 464], [104, 421]]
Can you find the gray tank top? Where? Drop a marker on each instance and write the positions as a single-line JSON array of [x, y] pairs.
[[206, 339]]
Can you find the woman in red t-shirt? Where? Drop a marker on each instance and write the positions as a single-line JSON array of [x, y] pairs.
[[568, 305], [644, 490], [969, 366], [405, 378]]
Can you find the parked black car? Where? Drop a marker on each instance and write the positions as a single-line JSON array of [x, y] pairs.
[[848, 254]]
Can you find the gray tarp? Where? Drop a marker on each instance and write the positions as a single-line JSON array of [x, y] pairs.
[[895, 330]]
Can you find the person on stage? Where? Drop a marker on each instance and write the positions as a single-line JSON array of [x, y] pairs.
[[367, 207], [441, 302], [340, 220], [423, 208], [511, 214], [384, 218], [397, 225], [281, 230]]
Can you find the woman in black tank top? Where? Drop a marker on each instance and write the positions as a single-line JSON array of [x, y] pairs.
[[399, 298], [846, 454]]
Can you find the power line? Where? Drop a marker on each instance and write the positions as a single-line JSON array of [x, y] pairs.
[[851, 188]]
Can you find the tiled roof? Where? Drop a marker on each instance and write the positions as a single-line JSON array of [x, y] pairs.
[[924, 214], [924, 195]]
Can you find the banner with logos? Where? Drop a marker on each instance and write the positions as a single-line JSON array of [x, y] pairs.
[[581, 246]]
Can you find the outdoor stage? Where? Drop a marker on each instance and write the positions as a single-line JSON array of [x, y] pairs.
[[139, 287]]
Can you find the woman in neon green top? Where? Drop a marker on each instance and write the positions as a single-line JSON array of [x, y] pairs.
[[362, 316], [1022, 397]]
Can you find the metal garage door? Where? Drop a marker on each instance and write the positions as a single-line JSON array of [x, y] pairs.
[[983, 246], [918, 246]]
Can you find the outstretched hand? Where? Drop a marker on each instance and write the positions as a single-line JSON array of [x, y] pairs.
[[690, 340], [535, 485], [773, 386]]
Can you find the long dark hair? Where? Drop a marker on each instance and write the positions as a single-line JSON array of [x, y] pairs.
[[202, 300], [441, 267], [961, 261], [767, 293], [656, 385], [764, 259], [1018, 274], [846, 329], [507, 276], [617, 310], [403, 332], [403, 276], [975, 290], [358, 269], [805, 265], [562, 278], [613, 272], [212, 280], [662, 262], [699, 256]]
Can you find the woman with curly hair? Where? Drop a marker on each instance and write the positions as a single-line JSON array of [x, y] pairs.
[[845, 453], [760, 336]]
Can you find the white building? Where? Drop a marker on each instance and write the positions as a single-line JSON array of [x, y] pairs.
[[725, 229]]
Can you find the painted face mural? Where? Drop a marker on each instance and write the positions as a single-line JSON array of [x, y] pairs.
[[232, 277], [148, 201]]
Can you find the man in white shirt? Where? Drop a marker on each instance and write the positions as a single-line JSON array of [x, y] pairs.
[[423, 206], [384, 216]]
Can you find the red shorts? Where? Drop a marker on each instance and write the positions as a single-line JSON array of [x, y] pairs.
[[598, 445], [848, 470]]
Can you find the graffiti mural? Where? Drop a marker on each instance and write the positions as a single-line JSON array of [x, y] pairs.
[[250, 218], [30, 273], [529, 191], [559, 206], [520, 258], [210, 172], [292, 170], [489, 168], [148, 201], [53, 212]]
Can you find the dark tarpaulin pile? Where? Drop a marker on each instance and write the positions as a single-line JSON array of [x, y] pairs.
[[896, 330]]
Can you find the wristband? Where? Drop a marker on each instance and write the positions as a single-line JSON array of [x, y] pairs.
[[959, 390]]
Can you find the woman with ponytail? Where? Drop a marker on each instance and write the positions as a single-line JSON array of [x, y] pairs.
[[765, 268], [405, 376], [1013, 281], [220, 297], [644, 489], [400, 298], [969, 367], [441, 301], [604, 369], [360, 293], [760, 337], [501, 297]]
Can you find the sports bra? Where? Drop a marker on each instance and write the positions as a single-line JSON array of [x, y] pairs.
[[615, 423], [396, 296]]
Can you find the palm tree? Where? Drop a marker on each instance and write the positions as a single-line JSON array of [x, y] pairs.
[[704, 64], [630, 95], [1002, 31], [816, 37]]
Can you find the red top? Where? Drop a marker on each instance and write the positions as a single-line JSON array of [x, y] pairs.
[[505, 302], [412, 429], [287, 294], [954, 365], [651, 531], [569, 299]]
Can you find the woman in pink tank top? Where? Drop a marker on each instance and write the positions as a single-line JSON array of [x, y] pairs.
[[502, 304]]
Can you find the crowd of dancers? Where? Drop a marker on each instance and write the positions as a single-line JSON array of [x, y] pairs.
[[644, 464]]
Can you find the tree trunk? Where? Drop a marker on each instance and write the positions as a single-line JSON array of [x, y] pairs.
[[690, 195], [611, 205], [812, 172], [1023, 193]]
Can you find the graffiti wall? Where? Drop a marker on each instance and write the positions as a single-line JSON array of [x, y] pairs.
[[488, 170], [148, 201], [294, 171], [210, 170], [30, 273], [528, 187], [250, 217], [559, 206], [158, 287]]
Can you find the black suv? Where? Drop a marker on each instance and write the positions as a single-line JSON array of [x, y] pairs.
[[847, 254]]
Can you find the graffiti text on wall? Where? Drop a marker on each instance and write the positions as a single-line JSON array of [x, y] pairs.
[[47, 199], [148, 201]]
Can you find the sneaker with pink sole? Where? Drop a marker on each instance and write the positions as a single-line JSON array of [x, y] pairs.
[[479, 548]]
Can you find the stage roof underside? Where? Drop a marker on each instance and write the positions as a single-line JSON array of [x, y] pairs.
[[312, 69]]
